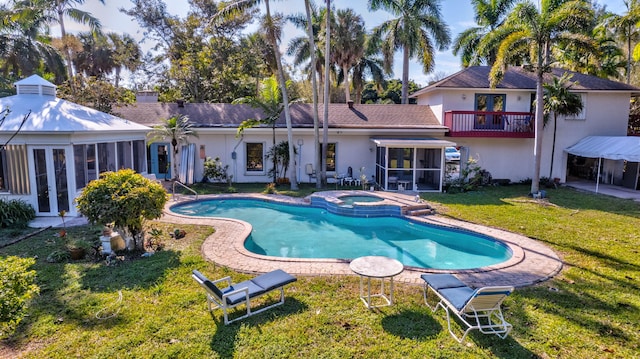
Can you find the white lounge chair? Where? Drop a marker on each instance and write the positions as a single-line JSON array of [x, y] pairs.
[[476, 308], [233, 295]]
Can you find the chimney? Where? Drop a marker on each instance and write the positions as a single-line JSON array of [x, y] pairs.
[[180, 103], [145, 96], [350, 104]]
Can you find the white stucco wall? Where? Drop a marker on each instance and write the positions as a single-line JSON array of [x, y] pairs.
[[606, 115], [353, 151]]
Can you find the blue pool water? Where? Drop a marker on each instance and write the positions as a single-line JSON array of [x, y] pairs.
[[283, 230], [351, 199]]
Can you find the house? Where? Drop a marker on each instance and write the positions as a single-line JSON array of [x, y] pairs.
[[51, 148], [401, 146], [397, 146], [495, 125]]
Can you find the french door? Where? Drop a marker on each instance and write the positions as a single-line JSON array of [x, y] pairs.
[[51, 179], [489, 103], [160, 160]]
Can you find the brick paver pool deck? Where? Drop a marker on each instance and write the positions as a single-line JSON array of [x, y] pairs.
[[532, 262]]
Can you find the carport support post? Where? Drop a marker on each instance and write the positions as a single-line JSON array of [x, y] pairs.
[[598, 175]]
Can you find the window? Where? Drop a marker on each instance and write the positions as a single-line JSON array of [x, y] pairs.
[[84, 159], [583, 114], [124, 155], [14, 175], [139, 151], [255, 157], [3, 170], [331, 156], [106, 157]]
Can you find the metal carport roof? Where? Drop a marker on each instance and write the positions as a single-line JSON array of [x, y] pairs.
[[609, 147]]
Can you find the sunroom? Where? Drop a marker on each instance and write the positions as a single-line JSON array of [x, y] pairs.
[[411, 164], [51, 148]]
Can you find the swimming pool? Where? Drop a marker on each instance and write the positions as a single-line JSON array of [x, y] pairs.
[[294, 231]]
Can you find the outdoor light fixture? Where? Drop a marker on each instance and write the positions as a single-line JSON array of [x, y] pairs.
[[464, 96]]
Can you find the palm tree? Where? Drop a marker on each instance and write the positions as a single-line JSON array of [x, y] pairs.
[[367, 66], [56, 11], [312, 45], [325, 114], [126, 54], [300, 48], [237, 6], [24, 49], [489, 15], [536, 32], [269, 100], [625, 26], [178, 129], [418, 30], [348, 44], [559, 101]]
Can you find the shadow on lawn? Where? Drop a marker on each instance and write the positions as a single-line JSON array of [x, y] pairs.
[[411, 324], [224, 341]]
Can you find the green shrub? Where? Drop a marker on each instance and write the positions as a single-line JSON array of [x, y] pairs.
[[15, 213], [124, 198], [16, 289], [215, 171]]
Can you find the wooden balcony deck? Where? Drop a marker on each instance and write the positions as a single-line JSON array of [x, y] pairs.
[[489, 124]]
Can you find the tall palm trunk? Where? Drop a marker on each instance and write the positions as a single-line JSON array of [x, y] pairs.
[[67, 50], [285, 97], [325, 119], [347, 93], [553, 144], [314, 85], [539, 123], [405, 75]]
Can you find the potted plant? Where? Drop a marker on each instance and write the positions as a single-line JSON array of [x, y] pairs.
[[63, 231], [78, 248]]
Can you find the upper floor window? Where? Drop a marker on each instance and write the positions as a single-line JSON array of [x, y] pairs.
[[583, 114]]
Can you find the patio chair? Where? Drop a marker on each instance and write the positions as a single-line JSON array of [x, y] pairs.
[[232, 295], [477, 309]]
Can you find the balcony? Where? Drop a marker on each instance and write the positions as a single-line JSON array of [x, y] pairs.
[[489, 124]]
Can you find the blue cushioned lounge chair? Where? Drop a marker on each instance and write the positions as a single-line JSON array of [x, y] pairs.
[[231, 295], [476, 308]]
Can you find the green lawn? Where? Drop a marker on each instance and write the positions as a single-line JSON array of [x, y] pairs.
[[590, 310]]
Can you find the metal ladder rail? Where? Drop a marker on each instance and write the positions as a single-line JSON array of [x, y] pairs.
[[184, 186]]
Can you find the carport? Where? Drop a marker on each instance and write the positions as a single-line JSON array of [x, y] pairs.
[[612, 148]]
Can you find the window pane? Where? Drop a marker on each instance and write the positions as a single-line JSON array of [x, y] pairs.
[[2, 170], [255, 157], [124, 155], [80, 163], [139, 158], [331, 156], [106, 157]]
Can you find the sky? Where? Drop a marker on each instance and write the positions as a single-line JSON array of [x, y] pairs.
[[458, 14]]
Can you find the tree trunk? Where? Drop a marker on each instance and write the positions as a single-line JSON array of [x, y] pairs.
[[405, 75], [347, 94], [553, 144], [285, 96], [325, 120], [539, 123], [67, 50], [314, 85]]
